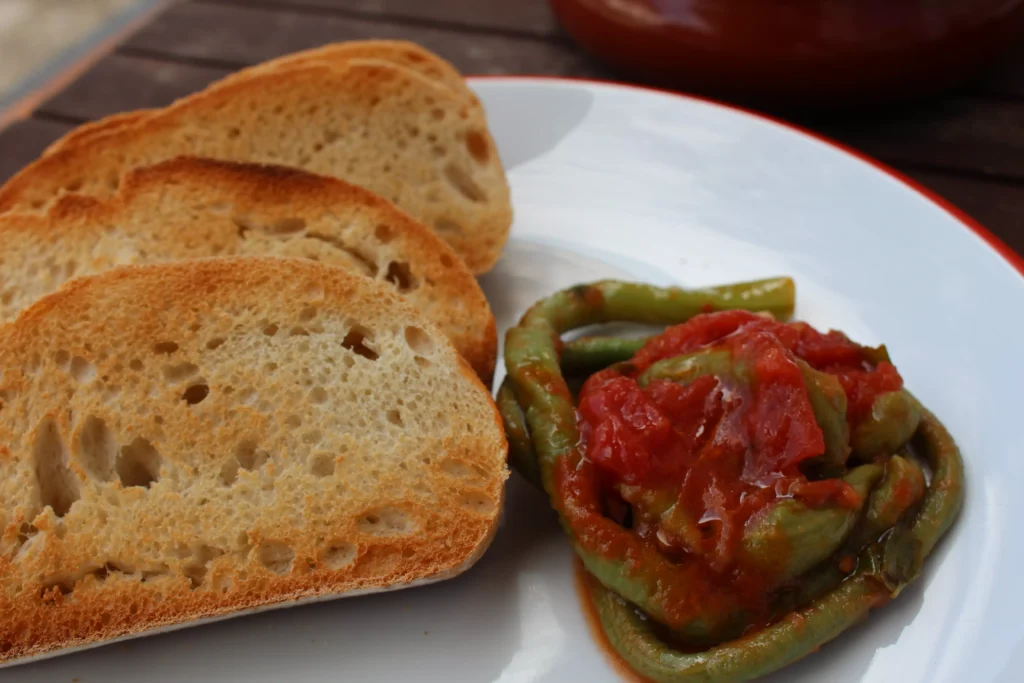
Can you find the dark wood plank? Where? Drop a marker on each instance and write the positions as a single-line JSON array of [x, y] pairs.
[[1005, 76], [959, 133], [23, 141], [121, 83], [233, 34], [999, 206], [521, 16]]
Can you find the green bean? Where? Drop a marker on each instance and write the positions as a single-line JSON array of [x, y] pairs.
[[911, 543], [613, 301], [520, 448], [789, 537], [688, 367], [892, 422], [590, 354], [793, 637], [902, 487], [828, 401]]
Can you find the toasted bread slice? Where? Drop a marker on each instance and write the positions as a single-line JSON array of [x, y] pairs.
[[399, 52], [174, 448], [375, 124], [196, 208]]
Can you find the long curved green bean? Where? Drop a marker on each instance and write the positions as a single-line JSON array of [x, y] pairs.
[[537, 406], [587, 355], [520, 447]]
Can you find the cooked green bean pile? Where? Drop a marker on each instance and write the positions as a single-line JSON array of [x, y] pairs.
[[844, 530]]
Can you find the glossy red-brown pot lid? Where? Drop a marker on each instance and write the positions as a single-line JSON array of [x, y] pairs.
[[819, 53]]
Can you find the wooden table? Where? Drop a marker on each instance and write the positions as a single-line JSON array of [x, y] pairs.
[[967, 146]]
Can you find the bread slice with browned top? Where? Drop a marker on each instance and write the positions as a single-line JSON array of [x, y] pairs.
[[196, 208], [195, 439], [372, 123], [400, 52]]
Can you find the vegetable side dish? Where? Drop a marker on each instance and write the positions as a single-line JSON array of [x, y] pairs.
[[740, 489]]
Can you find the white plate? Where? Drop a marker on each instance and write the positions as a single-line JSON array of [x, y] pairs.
[[620, 182]]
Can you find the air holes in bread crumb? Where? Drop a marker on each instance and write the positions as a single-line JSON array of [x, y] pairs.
[[338, 554], [229, 471], [400, 276], [459, 179], [437, 113], [58, 584], [446, 226], [270, 330], [477, 146], [196, 569], [477, 502], [419, 340], [82, 370], [243, 224], [318, 395], [181, 371], [395, 418], [167, 347], [312, 437], [384, 233], [455, 468], [356, 342], [307, 314], [63, 359], [293, 421], [215, 343], [98, 449], [135, 364], [138, 464], [250, 457], [196, 394], [286, 226], [58, 487], [385, 521], [25, 532], [321, 464], [364, 262], [276, 556]]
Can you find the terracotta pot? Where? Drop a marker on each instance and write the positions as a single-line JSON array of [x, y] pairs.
[[822, 53]]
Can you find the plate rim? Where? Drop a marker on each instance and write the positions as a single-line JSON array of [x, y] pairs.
[[971, 224]]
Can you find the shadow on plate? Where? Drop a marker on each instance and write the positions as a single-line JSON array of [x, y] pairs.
[[535, 116]]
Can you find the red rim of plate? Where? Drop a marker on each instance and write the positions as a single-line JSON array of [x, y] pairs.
[[1001, 248]]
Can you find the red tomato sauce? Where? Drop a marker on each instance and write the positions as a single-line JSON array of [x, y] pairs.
[[722, 447]]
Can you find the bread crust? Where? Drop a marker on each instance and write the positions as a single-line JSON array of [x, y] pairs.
[[400, 52], [191, 208], [79, 579], [432, 153]]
